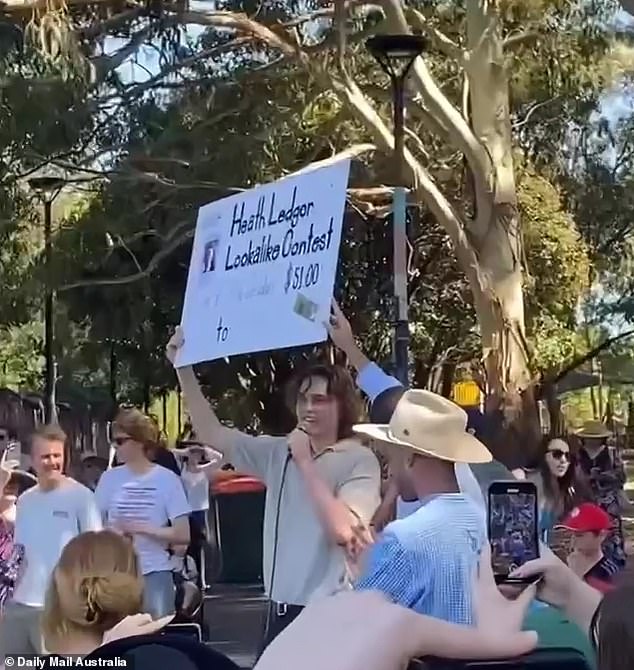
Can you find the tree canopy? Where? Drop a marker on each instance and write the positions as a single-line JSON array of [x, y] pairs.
[[254, 93]]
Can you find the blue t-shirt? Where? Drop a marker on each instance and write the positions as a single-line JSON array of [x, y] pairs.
[[427, 561]]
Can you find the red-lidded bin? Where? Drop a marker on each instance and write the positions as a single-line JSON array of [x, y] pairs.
[[237, 511]]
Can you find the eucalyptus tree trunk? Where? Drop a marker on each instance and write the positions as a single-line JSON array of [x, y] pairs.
[[495, 232]]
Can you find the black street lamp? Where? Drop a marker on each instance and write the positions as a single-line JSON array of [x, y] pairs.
[[48, 188], [396, 55]]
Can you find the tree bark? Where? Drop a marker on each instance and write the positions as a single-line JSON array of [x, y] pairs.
[[495, 234], [495, 231]]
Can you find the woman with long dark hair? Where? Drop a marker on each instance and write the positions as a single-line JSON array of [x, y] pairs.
[[554, 475]]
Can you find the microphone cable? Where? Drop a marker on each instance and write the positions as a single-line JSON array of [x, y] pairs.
[[275, 543]]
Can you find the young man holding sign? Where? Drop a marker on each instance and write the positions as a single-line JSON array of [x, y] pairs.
[[323, 486]]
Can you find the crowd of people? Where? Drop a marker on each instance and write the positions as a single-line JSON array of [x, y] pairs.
[[360, 571]]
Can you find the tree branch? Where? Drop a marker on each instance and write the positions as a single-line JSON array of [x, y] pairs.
[[531, 110], [460, 134], [516, 39], [25, 8], [105, 64], [593, 353], [242, 24], [178, 240], [111, 24], [153, 263], [445, 44], [426, 187]]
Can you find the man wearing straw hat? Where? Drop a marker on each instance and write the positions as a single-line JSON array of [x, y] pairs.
[[602, 468], [425, 561], [384, 391]]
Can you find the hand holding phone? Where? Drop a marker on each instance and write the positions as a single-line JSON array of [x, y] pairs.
[[513, 528]]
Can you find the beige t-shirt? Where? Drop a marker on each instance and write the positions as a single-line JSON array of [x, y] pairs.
[[307, 564]]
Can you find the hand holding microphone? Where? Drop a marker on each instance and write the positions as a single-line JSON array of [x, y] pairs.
[[299, 445], [300, 449]]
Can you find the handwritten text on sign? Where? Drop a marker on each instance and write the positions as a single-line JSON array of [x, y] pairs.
[[263, 266]]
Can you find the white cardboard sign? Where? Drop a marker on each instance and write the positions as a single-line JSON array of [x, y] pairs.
[[263, 264]]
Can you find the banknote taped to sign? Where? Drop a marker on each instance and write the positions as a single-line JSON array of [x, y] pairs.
[[263, 266]]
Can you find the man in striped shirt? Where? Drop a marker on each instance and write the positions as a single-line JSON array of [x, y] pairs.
[[427, 560]]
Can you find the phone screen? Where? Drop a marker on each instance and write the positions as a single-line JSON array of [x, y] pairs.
[[513, 531]]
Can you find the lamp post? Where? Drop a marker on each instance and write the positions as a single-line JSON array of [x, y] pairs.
[[48, 188], [396, 55]]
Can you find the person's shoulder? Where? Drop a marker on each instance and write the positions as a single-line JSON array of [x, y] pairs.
[[401, 539], [29, 496], [446, 514], [76, 489], [452, 501], [165, 475], [112, 474], [276, 446], [273, 441], [356, 452], [393, 538]]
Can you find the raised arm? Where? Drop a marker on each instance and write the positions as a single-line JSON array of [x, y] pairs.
[[243, 451], [370, 378], [214, 461], [204, 420]]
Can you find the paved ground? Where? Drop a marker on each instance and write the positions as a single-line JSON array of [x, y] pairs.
[[235, 614], [235, 619]]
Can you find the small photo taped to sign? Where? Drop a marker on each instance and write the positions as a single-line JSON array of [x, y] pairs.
[[305, 307]]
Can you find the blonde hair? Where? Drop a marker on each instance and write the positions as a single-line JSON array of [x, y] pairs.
[[137, 425], [96, 583]]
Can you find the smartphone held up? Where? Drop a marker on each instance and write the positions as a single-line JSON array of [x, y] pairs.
[[513, 528]]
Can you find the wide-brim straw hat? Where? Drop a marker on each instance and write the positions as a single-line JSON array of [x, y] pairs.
[[594, 430], [20, 478], [428, 424]]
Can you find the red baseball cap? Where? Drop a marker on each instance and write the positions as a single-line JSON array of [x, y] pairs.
[[587, 518]]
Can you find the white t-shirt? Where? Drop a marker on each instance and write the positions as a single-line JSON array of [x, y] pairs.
[[156, 498], [197, 489], [45, 522]]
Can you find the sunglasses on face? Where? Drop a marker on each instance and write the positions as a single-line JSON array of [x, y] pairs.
[[559, 454]]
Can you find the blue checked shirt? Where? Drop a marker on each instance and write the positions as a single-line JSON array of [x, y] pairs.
[[427, 561]]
